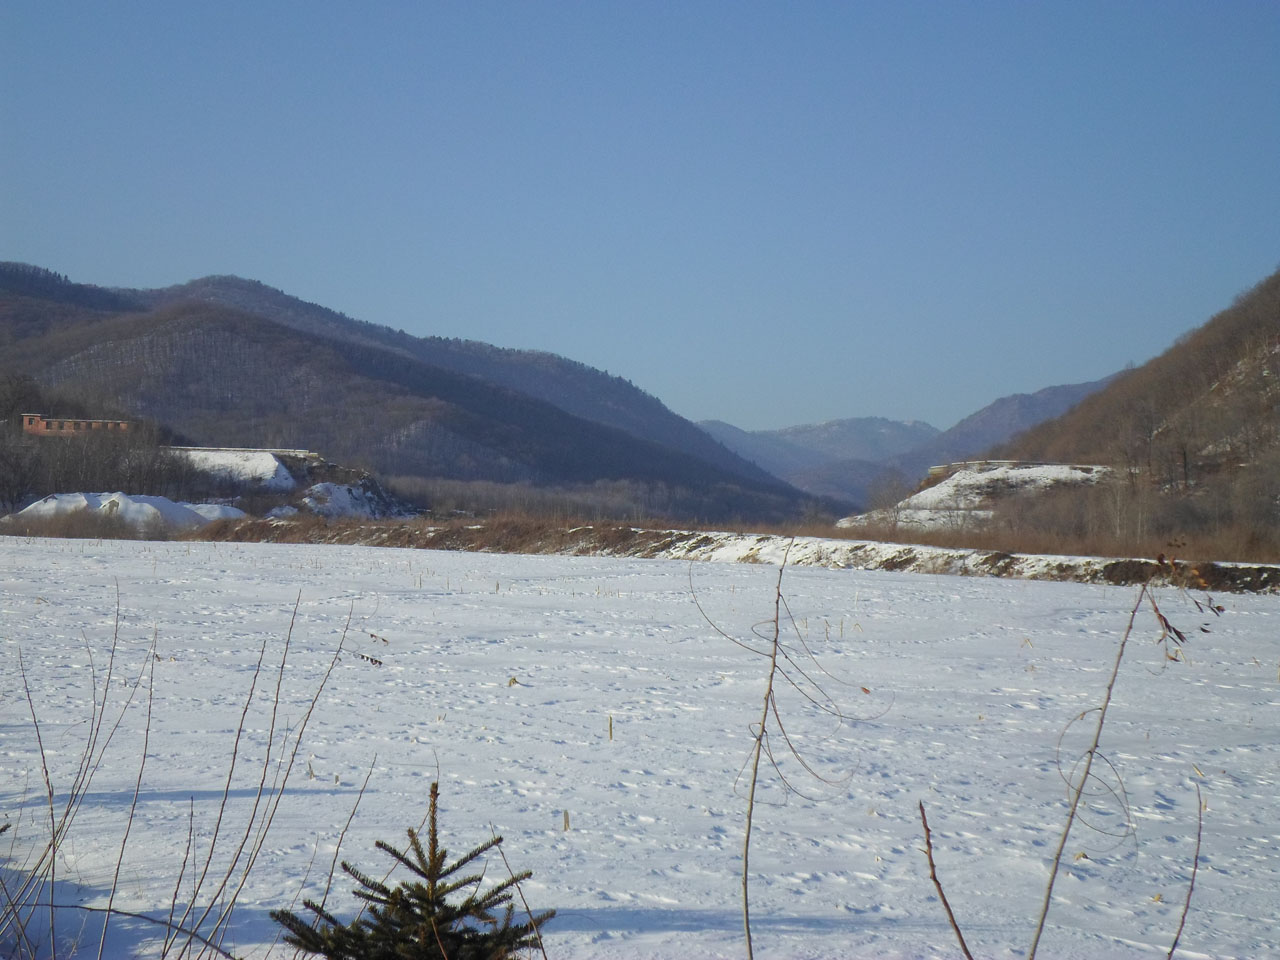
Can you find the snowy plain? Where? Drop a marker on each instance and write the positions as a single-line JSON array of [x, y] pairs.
[[532, 687]]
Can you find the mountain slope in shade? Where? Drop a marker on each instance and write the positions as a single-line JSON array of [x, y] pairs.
[[572, 386], [221, 376]]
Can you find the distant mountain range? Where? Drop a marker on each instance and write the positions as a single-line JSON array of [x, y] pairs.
[[847, 459], [222, 360]]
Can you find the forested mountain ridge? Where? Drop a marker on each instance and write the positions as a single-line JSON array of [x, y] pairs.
[[572, 386], [223, 376], [1193, 437], [1210, 400]]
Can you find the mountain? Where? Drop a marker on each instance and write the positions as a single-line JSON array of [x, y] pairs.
[[996, 423], [1208, 406], [763, 448], [1189, 444], [572, 386], [793, 450], [239, 375], [839, 459], [850, 459], [873, 439]]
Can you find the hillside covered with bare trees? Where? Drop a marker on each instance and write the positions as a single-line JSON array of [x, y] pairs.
[[225, 375], [1193, 436]]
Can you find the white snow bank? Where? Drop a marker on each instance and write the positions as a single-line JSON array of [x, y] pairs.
[[874, 555], [967, 496], [258, 467], [841, 554], [340, 500], [969, 489], [216, 511], [135, 510]]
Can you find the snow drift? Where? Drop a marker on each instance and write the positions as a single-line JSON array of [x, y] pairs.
[[139, 512]]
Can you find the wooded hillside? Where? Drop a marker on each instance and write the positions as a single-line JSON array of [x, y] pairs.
[[219, 375], [1194, 434]]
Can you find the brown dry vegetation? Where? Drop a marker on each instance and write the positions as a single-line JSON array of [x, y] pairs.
[[1195, 433], [1111, 520], [80, 525]]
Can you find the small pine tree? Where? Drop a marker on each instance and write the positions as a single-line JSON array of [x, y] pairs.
[[415, 920]]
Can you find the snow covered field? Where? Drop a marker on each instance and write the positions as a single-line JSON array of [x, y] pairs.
[[958, 691]]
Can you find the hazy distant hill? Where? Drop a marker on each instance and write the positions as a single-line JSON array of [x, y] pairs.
[[874, 439], [996, 423], [847, 458], [218, 374], [763, 448]]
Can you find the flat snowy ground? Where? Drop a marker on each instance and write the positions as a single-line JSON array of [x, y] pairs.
[[957, 691]]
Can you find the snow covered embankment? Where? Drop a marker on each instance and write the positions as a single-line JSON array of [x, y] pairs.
[[259, 468], [837, 554], [966, 498], [871, 555]]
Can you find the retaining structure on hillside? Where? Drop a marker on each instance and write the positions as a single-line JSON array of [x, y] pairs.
[[37, 425]]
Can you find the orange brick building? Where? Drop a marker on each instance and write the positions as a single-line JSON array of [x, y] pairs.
[[38, 425]]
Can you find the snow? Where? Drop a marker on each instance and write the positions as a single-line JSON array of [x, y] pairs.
[[245, 466], [958, 691], [340, 500], [966, 496], [136, 510], [216, 511], [971, 488]]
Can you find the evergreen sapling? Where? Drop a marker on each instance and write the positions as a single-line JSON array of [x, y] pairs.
[[415, 919]]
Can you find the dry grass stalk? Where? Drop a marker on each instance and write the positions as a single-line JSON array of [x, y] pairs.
[[1195, 868], [184, 934], [933, 875]]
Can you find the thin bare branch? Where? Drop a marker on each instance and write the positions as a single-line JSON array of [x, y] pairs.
[[933, 875], [1078, 791], [759, 747], [533, 921], [1195, 868], [146, 919], [48, 785], [133, 803]]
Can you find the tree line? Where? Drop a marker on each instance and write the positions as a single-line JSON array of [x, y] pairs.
[[136, 461]]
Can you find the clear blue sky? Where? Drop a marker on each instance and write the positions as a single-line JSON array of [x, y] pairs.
[[763, 212]]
